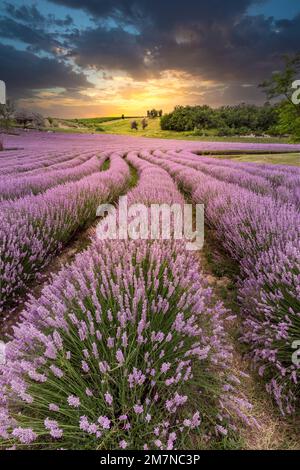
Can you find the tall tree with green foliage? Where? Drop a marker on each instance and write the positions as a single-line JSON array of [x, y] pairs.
[[280, 86]]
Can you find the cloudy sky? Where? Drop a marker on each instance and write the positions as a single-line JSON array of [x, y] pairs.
[[79, 58]]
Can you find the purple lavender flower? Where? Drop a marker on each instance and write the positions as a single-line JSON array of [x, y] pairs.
[[73, 401], [104, 422], [108, 398], [120, 356], [26, 436], [138, 409], [123, 444]]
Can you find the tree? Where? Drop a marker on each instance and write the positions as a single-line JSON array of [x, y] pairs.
[[288, 121], [123, 117], [280, 84], [7, 114], [189, 118], [144, 123], [134, 125], [153, 113]]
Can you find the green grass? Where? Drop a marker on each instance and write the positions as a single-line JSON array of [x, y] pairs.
[[90, 122], [114, 125], [95, 122], [106, 165], [122, 127], [277, 158]]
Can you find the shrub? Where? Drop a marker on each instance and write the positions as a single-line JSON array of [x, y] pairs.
[[35, 227], [263, 237], [134, 125], [124, 345], [226, 131]]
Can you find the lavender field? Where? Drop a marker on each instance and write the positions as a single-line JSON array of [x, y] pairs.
[[129, 344]]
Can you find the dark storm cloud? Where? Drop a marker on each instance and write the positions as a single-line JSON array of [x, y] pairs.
[[248, 49], [162, 13], [289, 31], [23, 71], [107, 49], [210, 39], [37, 38], [215, 39]]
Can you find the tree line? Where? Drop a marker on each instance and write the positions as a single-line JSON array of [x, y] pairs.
[[154, 113], [280, 118], [228, 120]]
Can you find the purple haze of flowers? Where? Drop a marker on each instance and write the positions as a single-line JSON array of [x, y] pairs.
[[262, 233], [121, 290], [34, 228]]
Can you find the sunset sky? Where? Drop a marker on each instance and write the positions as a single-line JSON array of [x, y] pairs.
[[76, 58]]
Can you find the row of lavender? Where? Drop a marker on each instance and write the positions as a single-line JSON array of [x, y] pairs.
[[34, 183], [39, 160], [34, 228], [280, 182], [124, 348], [263, 236]]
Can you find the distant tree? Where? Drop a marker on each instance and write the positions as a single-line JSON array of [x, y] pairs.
[[6, 114], [134, 125], [153, 113], [144, 123], [189, 118], [123, 117]]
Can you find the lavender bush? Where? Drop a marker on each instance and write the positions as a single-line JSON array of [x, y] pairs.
[[124, 349], [283, 185], [34, 228], [15, 187], [264, 238], [113, 350]]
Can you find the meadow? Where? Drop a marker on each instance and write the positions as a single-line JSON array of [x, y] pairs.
[[118, 126], [141, 344]]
